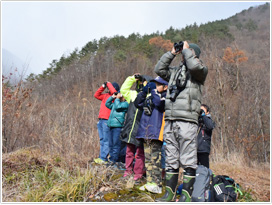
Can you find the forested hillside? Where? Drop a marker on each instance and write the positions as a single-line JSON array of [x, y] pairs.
[[56, 110], [60, 101]]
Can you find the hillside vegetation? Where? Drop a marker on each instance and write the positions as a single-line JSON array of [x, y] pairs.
[[56, 111], [30, 175]]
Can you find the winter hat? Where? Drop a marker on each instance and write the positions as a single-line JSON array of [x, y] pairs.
[[158, 79], [116, 86], [196, 49]]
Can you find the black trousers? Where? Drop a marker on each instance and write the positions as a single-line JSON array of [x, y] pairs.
[[203, 159]]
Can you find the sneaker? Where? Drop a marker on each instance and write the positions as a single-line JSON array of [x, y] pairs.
[[153, 188], [97, 160], [100, 161], [136, 178], [139, 181], [120, 166], [110, 164], [142, 188], [127, 175]]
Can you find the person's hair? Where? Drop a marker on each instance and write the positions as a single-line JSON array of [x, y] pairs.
[[157, 83], [206, 106], [160, 84]]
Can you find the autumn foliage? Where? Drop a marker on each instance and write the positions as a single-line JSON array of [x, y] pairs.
[[161, 43], [235, 56]]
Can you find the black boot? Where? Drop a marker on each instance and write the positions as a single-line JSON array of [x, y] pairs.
[[188, 185], [171, 186]]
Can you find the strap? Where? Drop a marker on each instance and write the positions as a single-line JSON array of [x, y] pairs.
[[198, 130]]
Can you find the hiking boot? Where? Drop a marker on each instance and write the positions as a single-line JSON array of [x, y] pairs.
[[171, 186], [153, 188], [100, 161], [188, 185]]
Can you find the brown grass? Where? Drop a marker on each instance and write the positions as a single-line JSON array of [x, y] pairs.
[[18, 168], [254, 178]]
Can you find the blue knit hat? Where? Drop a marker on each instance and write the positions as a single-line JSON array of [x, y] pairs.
[[116, 86]]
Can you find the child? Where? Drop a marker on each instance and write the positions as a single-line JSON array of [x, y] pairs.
[[149, 130], [128, 134], [204, 137], [115, 123], [104, 113]]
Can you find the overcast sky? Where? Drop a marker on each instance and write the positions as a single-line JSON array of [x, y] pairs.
[[38, 32]]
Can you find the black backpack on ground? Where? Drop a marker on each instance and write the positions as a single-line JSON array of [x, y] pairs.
[[224, 189]]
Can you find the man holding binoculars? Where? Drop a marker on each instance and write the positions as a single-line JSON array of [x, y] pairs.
[[182, 109]]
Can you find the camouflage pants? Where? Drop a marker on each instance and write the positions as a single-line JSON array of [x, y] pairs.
[[152, 150]]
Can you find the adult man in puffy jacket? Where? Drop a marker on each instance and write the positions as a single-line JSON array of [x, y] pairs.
[[182, 108], [204, 137]]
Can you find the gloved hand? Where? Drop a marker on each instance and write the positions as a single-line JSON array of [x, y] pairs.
[[149, 86], [104, 85]]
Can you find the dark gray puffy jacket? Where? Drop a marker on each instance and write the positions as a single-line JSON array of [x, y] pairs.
[[188, 102]]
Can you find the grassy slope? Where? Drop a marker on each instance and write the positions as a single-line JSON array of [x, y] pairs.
[[30, 175]]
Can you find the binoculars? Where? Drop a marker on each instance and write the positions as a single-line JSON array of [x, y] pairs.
[[139, 77], [174, 91], [178, 46]]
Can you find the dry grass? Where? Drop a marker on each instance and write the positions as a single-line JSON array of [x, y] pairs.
[[30, 175], [254, 178]]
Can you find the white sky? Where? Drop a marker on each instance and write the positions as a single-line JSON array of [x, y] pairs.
[[38, 32]]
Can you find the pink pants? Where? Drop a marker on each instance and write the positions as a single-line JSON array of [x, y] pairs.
[[138, 168]]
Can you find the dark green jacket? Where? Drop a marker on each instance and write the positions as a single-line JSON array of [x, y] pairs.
[[118, 112], [188, 102]]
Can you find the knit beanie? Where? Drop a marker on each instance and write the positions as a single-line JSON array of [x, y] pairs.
[[196, 49], [116, 86]]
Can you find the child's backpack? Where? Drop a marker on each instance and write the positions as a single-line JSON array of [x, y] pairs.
[[224, 189], [202, 185]]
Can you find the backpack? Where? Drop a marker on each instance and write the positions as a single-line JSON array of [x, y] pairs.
[[202, 185], [224, 189]]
